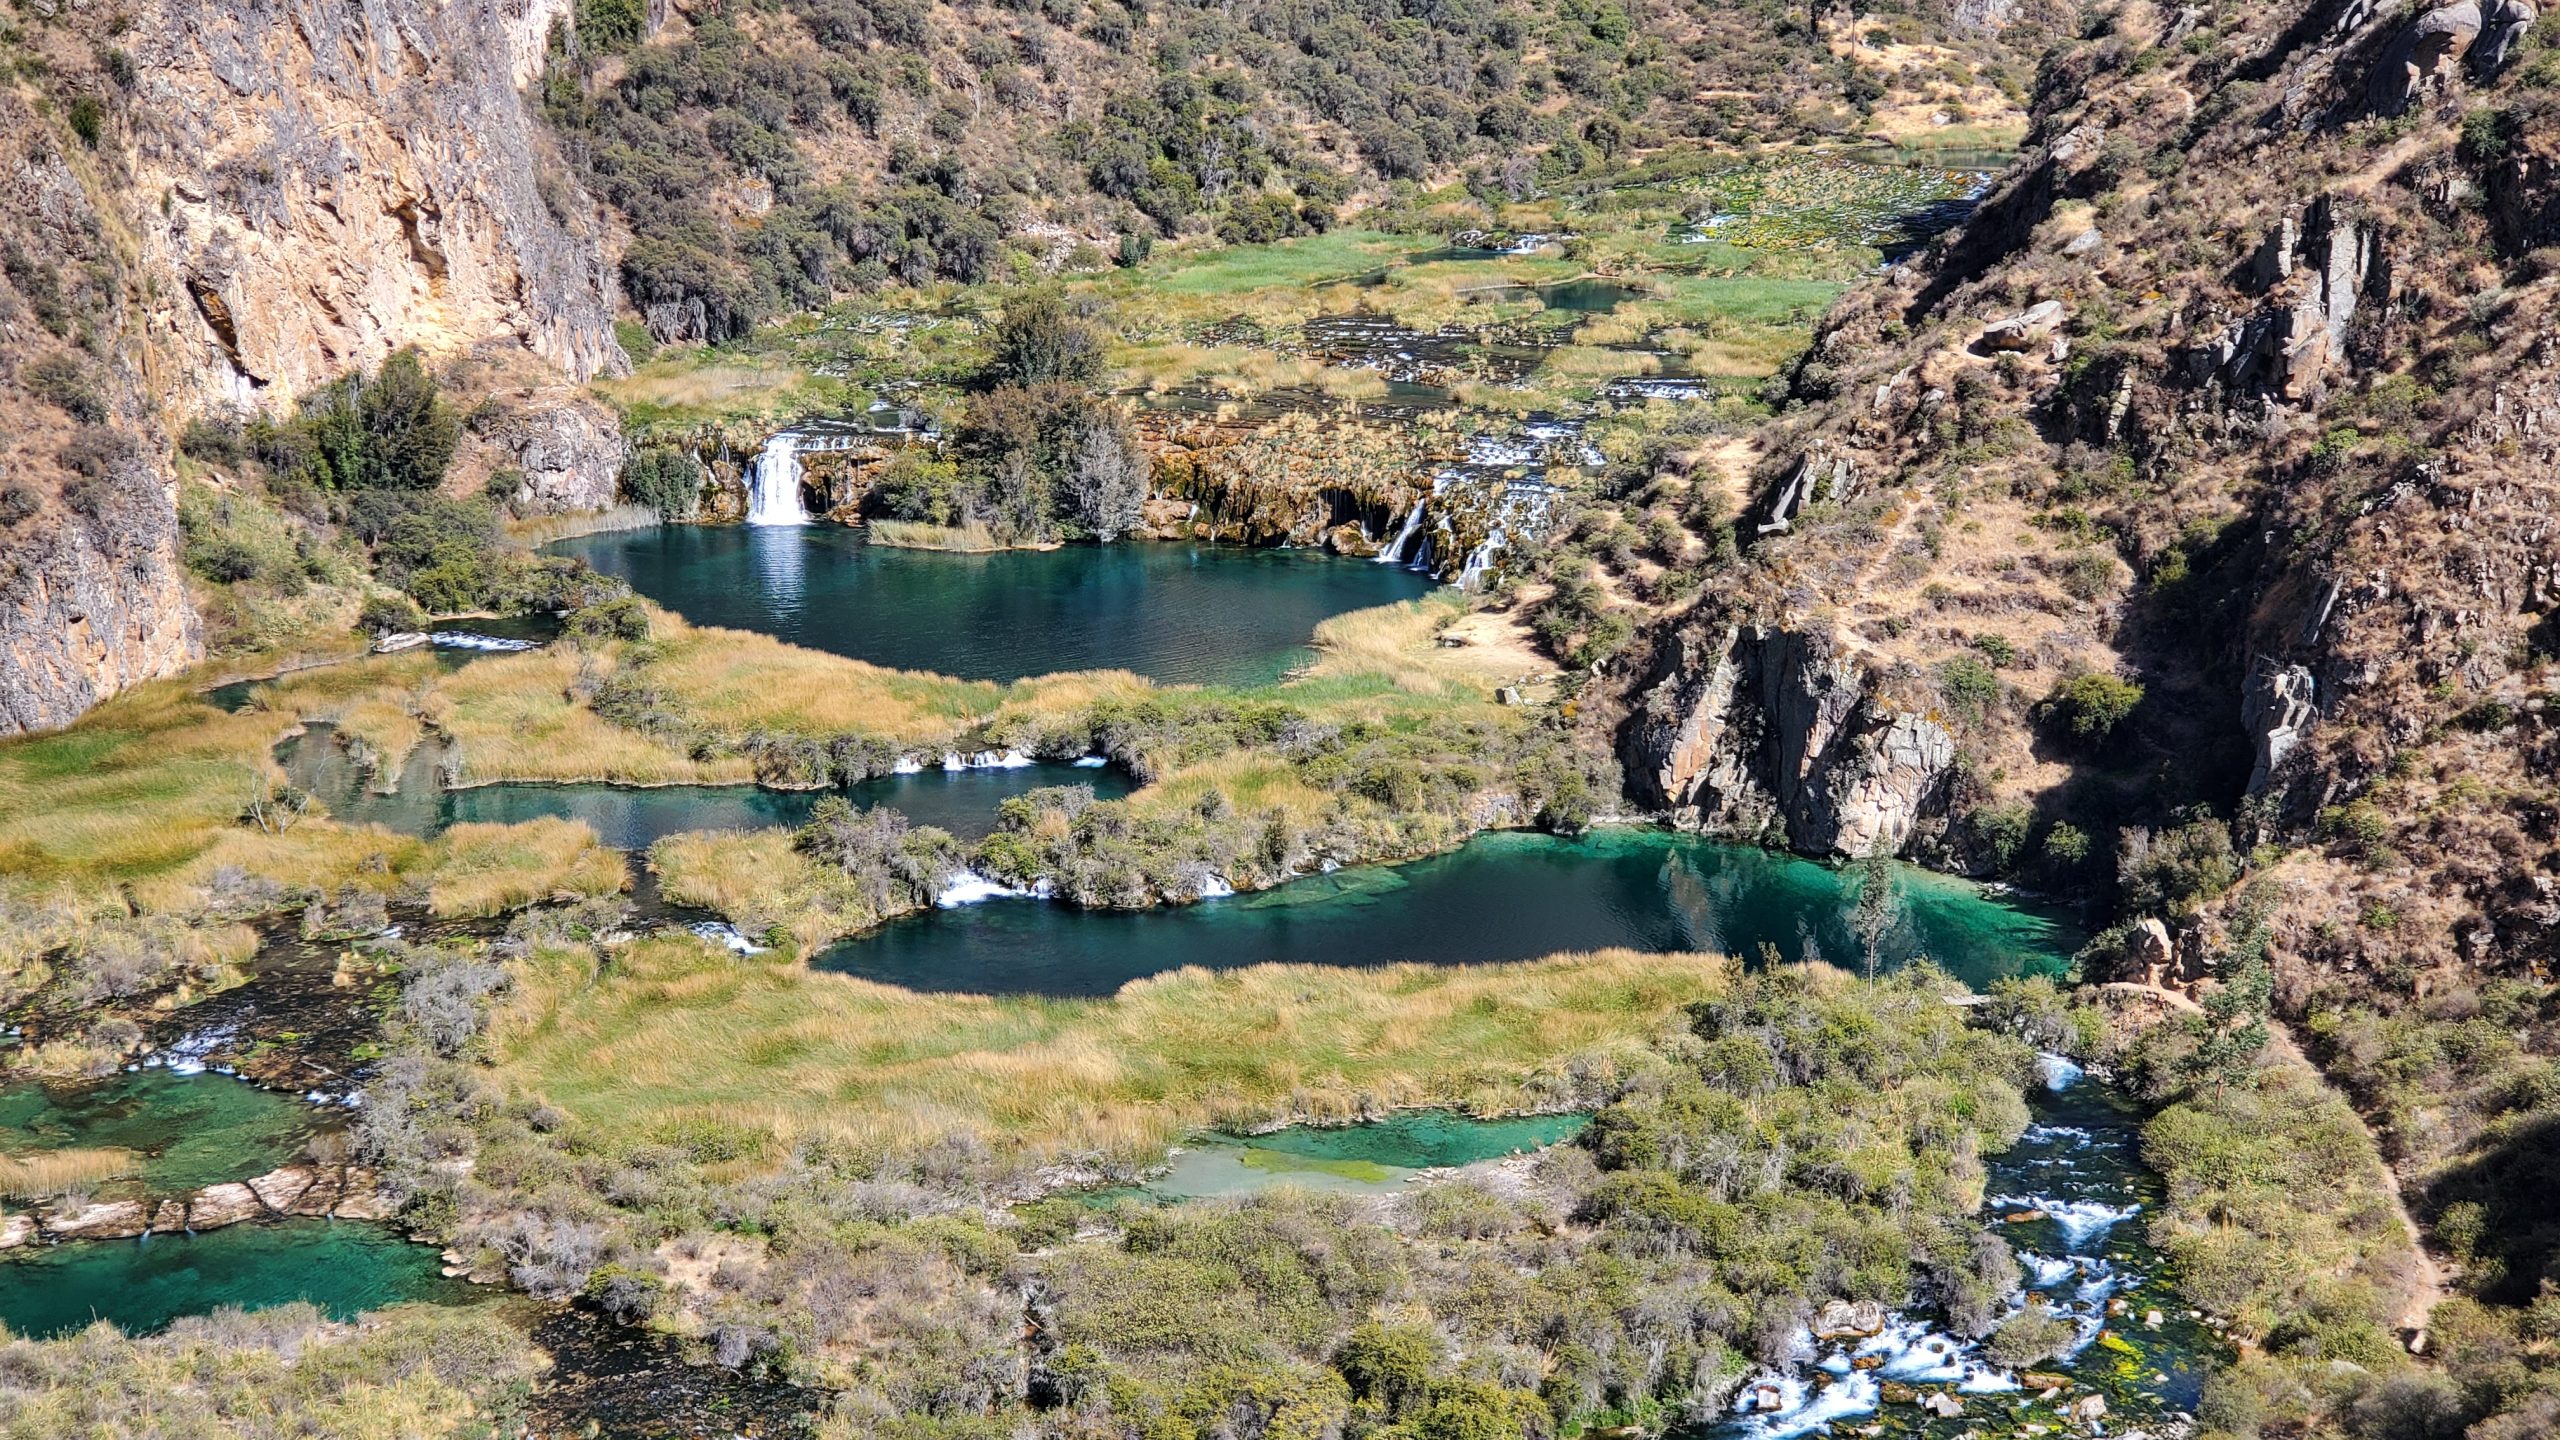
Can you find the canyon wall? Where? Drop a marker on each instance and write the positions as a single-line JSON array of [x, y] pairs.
[[210, 210]]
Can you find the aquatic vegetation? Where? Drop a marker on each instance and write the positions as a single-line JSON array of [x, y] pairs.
[[1818, 202]]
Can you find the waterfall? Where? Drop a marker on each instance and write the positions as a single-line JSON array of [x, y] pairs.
[[1394, 550], [773, 486]]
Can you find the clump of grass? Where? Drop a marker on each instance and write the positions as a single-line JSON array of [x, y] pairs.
[[678, 1030], [478, 869], [762, 885], [969, 538], [48, 1173]]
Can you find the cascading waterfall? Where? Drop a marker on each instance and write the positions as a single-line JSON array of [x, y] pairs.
[[773, 485], [1393, 552]]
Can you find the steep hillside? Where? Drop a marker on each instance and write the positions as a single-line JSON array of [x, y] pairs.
[[216, 210], [763, 158], [2183, 529]]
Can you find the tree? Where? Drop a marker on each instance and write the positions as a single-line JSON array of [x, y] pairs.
[[1876, 910], [387, 431], [667, 479], [1106, 490], [1040, 341], [2091, 706]]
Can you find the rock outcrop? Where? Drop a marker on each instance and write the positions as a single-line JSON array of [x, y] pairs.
[[333, 181], [90, 595], [90, 599], [343, 1192], [1761, 729], [2279, 708], [567, 453]]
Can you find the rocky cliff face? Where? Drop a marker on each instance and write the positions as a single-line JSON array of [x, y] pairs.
[[323, 183], [1770, 733], [216, 208], [90, 595]]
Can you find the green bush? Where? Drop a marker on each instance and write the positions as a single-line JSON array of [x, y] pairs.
[[667, 479], [1969, 686], [607, 26], [88, 119], [1040, 341], [390, 614], [2090, 706], [65, 383], [389, 430]]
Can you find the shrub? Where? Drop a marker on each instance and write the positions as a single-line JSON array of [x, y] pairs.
[[2176, 869], [1969, 686], [1040, 341], [215, 442], [667, 479], [2000, 833], [390, 430], [2090, 706], [65, 383], [88, 119], [611, 25], [390, 614]]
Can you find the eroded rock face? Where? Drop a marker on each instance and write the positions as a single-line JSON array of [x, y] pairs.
[[2318, 271], [1762, 728], [90, 599], [568, 451], [90, 595], [2280, 705], [342, 179]]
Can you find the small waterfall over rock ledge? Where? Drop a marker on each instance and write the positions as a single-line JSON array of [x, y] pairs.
[[773, 484]]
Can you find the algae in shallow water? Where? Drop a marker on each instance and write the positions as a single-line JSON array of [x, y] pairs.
[[344, 1267], [190, 1130]]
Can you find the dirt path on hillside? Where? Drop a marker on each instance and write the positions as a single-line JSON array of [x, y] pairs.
[[2429, 1282]]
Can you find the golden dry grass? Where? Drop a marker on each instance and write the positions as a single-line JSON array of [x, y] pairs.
[[761, 884], [488, 869], [1400, 644], [970, 538], [140, 785], [677, 1031], [51, 1172]]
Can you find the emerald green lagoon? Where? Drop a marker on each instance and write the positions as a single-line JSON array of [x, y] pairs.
[[1373, 1158], [1502, 896], [188, 1130], [1179, 613], [343, 1266]]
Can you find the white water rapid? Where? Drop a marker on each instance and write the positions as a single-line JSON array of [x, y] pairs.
[[773, 486]]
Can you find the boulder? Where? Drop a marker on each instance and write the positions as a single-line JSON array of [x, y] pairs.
[[98, 1220], [2422, 56], [2503, 25], [281, 1190], [2025, 330], [1848, 1320], [1942, 1404], [2279, 706], [16, 1230], [1894, 1392], [215, 1206]]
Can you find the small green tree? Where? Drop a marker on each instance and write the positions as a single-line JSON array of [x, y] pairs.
[[1040, 341], [2090, 706], [390, 430], [1875, 911]]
